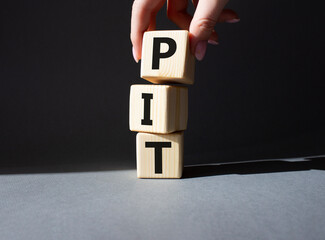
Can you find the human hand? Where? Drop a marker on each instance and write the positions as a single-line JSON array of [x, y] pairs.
[[200, 26]]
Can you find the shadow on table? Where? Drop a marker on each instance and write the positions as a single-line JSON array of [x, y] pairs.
[[256, 167], [252, 167], [81, 166]]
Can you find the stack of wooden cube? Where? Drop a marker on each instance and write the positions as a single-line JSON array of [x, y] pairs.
[[159, 111]]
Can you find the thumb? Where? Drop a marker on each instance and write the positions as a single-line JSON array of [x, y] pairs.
[[205, 18]]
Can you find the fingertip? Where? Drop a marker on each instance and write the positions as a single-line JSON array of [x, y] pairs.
[[235, 20], [213, 42], [228, 16], [136, 47], [136, 40], [135, 55], [214, 38], [200, 50]]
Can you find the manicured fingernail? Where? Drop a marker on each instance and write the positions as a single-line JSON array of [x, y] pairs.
[[136, 59], [213, 42], [200, 50], [235, 20]]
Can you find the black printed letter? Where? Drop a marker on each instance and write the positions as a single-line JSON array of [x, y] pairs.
[[156, 55], [146, 111], [158, 153]]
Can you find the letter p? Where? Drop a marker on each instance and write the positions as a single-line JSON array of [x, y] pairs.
[[157, 55]]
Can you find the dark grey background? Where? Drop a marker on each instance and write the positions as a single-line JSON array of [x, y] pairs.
[[66, 68]]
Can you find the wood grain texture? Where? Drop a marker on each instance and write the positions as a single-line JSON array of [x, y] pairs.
[[168, 108], [179, 68], [171, 157]]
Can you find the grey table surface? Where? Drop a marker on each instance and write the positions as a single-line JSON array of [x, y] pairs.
[[274, 199]]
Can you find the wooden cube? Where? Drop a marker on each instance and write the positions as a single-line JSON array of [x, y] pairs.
[[166, 57], [160, 155], [158, 108]]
